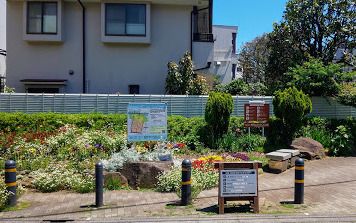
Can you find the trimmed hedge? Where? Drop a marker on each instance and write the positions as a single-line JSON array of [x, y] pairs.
[[192, 131], [21, 122]]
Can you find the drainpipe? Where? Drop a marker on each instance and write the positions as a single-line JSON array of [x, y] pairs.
[[83, 41]]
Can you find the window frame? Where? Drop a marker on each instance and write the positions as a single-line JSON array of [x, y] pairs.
[[124, 4], [42, 16]]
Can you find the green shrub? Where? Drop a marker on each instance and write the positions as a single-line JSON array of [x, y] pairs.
[[171, 181], [58, 177], [113, 183], [3, 194], [217, 114], [347, 95], [322, 135], [249, 143], [190, 131], [342, 142], [83, 184], [291, 106], [316, 79], [47, 122]]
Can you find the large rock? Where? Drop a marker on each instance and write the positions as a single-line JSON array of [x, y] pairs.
[[309, 148], [144, 174]]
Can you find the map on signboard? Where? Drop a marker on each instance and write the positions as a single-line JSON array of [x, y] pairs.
[[147, 122], [256, 115], [238, 183]]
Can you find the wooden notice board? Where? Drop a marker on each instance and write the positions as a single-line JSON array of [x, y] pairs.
[[238, 181], [256, 115]]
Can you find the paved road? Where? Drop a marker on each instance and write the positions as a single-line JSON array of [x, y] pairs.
[[330, 190]]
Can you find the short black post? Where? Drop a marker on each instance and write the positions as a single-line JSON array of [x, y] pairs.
[[299, 182], [10, 181], [186, 182], [99, 184]]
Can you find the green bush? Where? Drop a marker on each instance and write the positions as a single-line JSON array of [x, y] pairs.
[[250, 143], [291, 106], [316, 79], [347, 95], [47, 122], [171, 181], [58, 177], [217, 114], [244, 143], [3, 194], [190, 131], [342, 142]]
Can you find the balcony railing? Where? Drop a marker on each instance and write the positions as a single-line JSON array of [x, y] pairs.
[[203, 37]]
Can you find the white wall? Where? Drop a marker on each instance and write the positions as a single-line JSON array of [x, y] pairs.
[[110, 67], [223, 52], [2, 35], [41, 60]]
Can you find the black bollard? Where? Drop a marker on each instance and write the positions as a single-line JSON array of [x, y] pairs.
[[99, 184], [299, 182], [10, 181], [186, 183]]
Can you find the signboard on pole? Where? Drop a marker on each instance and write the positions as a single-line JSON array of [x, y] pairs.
[[146, 122], [256, 114], [238, 183]]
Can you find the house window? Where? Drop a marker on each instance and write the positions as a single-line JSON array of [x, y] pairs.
[[125, 19], [42, 17], [43, 90], [134, 89], [233, 71]]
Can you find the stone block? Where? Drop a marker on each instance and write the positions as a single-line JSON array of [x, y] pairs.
[[278, 156], [278, 166], [293, 152]]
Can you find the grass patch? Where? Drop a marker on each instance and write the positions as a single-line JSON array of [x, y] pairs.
[[18, 207]]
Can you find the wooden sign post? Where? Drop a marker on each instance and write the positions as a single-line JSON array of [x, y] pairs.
[[238, 181], [256, 114]]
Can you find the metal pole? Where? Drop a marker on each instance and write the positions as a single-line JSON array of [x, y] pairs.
[[186, 183], [10, 181], [99, 184], [299, 182]]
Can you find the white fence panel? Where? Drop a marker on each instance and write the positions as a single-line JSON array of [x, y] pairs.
[[177, 104]]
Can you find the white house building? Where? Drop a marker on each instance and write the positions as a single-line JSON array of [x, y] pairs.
[[103, 46], [225, 63], [2, 42]]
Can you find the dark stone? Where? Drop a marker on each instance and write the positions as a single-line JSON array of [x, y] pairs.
[[115, 175], [309, 148], [144, 174]]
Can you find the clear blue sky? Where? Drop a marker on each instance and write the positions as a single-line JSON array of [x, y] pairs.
[[253, 17]]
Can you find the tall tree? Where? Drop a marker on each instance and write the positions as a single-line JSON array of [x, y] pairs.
[[320, 27], [253, 59], [315, 28]]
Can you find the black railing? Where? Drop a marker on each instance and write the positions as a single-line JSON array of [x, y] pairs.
[[203, 37], [2, 84]]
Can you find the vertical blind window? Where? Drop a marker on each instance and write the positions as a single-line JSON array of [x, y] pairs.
[[125, 19], [42, 17]]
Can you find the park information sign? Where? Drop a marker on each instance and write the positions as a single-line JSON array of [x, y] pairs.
[[238, 183], [256, 114], [147, 122]]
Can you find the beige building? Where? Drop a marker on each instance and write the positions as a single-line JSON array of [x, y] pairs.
[[93, 46], [2, 43]]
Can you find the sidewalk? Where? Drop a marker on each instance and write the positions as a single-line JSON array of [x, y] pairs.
[[330, 189]]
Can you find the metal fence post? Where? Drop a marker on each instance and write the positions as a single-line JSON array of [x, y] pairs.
[[186, 183], [99, 184], [299, 182], [10, 181]]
